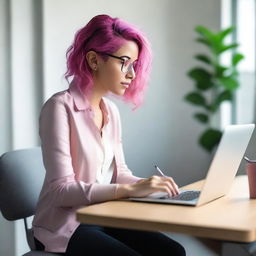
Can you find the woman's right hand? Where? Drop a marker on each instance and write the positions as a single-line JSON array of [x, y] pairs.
[[145, 187]]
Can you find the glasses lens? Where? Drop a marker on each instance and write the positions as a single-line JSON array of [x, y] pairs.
[[127, 66]]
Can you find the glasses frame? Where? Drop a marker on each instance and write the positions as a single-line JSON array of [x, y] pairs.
[[130, 67]]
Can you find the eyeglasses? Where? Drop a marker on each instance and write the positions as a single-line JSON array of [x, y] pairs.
[[127, 65]]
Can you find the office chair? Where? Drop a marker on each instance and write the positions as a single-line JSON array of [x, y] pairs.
[[21, 177]]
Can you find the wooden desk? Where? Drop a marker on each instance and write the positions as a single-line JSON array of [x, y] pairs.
[[232, 217]]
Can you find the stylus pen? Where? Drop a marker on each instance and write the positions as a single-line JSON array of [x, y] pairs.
[[160, 172], [163, 175]]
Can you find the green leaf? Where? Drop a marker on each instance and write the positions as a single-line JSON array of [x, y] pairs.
[[200, 74], [219, 70], [237, 58], [210, 139], [201, 117], [213, 44], [212, 40], [225, 32], [203, 86], [202, 77], [227, 47], [212, 107], [195, 98], [203, 58], [204, 32], [223, 96], [229, 83], [203, 41]]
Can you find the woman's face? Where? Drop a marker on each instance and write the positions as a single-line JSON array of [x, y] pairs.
[[109, 76]]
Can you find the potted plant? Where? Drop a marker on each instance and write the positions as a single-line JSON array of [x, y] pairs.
[[213, 82]]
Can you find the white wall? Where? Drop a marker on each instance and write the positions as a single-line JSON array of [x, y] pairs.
[[6, 228], [5, 104], [161, 132]]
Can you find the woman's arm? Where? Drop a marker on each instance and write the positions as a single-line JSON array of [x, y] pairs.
[[144, 187]]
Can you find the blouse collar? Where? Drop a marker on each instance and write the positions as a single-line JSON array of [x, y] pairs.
[[82, 102]]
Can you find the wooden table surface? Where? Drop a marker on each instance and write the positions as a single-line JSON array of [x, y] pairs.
[[232, 217]]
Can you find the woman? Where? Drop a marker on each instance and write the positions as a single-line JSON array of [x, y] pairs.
[[82, 148]]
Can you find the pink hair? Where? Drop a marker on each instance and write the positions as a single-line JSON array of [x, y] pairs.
[[106, 34]]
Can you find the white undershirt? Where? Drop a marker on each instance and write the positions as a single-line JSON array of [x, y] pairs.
[[105, 173]]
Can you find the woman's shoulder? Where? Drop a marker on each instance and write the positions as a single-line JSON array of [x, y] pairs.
[[56, 101], [58, 97]]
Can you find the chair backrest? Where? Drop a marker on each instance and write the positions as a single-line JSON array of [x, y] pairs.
[[21, 177]]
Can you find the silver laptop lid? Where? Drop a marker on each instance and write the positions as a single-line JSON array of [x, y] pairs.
[[226, 162]]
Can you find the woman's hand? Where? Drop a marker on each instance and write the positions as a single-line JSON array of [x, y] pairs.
[[145, 187]]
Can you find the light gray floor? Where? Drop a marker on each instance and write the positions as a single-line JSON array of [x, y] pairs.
[[209, 247], [198, 247]]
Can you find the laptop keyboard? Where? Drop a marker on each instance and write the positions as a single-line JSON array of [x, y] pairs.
[[186, 196]]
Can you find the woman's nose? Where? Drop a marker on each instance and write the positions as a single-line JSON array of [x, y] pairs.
[[131, 74]]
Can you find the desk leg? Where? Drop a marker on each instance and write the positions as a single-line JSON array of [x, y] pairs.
[[238, 249]]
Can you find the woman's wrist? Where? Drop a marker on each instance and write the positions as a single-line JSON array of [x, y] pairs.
[[123, 191]]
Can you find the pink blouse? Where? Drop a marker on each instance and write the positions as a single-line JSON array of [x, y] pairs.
[[73, 154]]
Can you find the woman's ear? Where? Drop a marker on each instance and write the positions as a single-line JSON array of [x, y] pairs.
[[92, 60]]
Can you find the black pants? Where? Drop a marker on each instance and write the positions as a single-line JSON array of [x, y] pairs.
[[97, 241]]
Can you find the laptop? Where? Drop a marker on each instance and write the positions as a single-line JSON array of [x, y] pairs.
[[220, 175]]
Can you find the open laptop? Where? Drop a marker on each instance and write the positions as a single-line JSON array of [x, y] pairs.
[[221, 173]]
